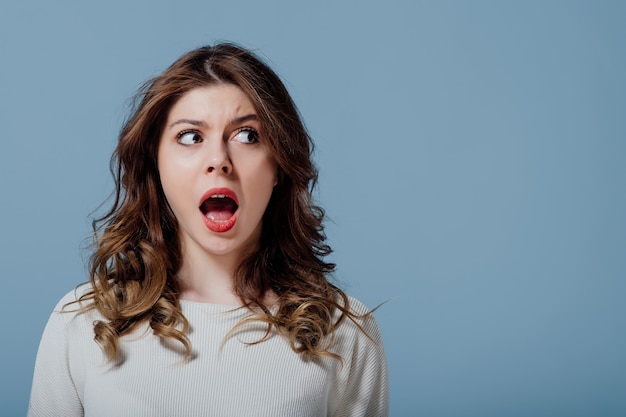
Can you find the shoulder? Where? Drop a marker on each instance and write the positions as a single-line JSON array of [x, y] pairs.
[[362, 313], [362, 379], [360, 325], [71, 308], [357, 307], [73, 298]]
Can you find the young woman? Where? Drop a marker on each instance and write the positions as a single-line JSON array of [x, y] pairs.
[[208, 291]]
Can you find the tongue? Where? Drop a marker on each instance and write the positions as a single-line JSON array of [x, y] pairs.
[[219, 209]]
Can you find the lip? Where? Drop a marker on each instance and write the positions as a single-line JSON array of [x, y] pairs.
[[222, 226]]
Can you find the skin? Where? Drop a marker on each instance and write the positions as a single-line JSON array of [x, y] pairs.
[[213, 139]]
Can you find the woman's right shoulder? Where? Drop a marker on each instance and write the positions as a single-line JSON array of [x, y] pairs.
[[71, 320], [71, 305]]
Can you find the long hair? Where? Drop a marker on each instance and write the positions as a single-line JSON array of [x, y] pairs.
[[137, 252]]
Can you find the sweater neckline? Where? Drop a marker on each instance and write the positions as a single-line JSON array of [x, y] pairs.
[[218, 308]]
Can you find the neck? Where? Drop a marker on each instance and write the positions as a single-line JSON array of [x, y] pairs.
[[208, 278]]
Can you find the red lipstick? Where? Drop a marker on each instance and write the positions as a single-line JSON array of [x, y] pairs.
[[219, 208]]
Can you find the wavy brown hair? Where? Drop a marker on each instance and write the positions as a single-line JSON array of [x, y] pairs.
[[137, 252]]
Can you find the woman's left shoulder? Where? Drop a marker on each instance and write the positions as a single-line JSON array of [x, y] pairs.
[[363, 372], [356, 306], [360, 324]]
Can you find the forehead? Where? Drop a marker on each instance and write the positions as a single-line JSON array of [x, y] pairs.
[[212, 102]]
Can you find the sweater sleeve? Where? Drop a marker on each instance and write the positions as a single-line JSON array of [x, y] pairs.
[[53, 391], [366, 391]]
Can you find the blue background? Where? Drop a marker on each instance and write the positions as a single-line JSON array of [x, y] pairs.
[[473, 166]]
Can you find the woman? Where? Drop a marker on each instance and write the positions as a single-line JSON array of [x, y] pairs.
[[208, 291]]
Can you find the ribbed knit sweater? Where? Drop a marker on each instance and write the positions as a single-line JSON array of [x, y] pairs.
[[225, 377]]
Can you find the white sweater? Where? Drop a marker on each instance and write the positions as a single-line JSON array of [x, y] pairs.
[[72, 377]]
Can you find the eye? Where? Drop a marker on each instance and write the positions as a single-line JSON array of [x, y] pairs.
[[189, 137], [246, 135]]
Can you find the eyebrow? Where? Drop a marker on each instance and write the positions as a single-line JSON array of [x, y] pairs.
[[200, 123], [192, 122]]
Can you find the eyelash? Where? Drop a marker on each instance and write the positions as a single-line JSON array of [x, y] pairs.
[[180, 135], [251, 130]]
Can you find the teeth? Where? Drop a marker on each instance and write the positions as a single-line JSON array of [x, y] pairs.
[[218, 196]]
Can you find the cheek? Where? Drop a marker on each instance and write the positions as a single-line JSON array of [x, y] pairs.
[[263, 179], [162, 169], [270, 171], [259, 171], [173, 185], [166, 184], [173, 171]]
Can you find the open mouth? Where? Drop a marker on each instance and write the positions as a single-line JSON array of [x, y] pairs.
[[219, 208]]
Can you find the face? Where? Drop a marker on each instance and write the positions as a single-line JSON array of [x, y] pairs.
[[216, 171]]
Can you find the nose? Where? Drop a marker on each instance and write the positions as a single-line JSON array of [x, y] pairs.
[[219, 159]]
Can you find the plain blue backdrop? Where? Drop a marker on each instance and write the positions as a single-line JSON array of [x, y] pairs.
[[473, 166]]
